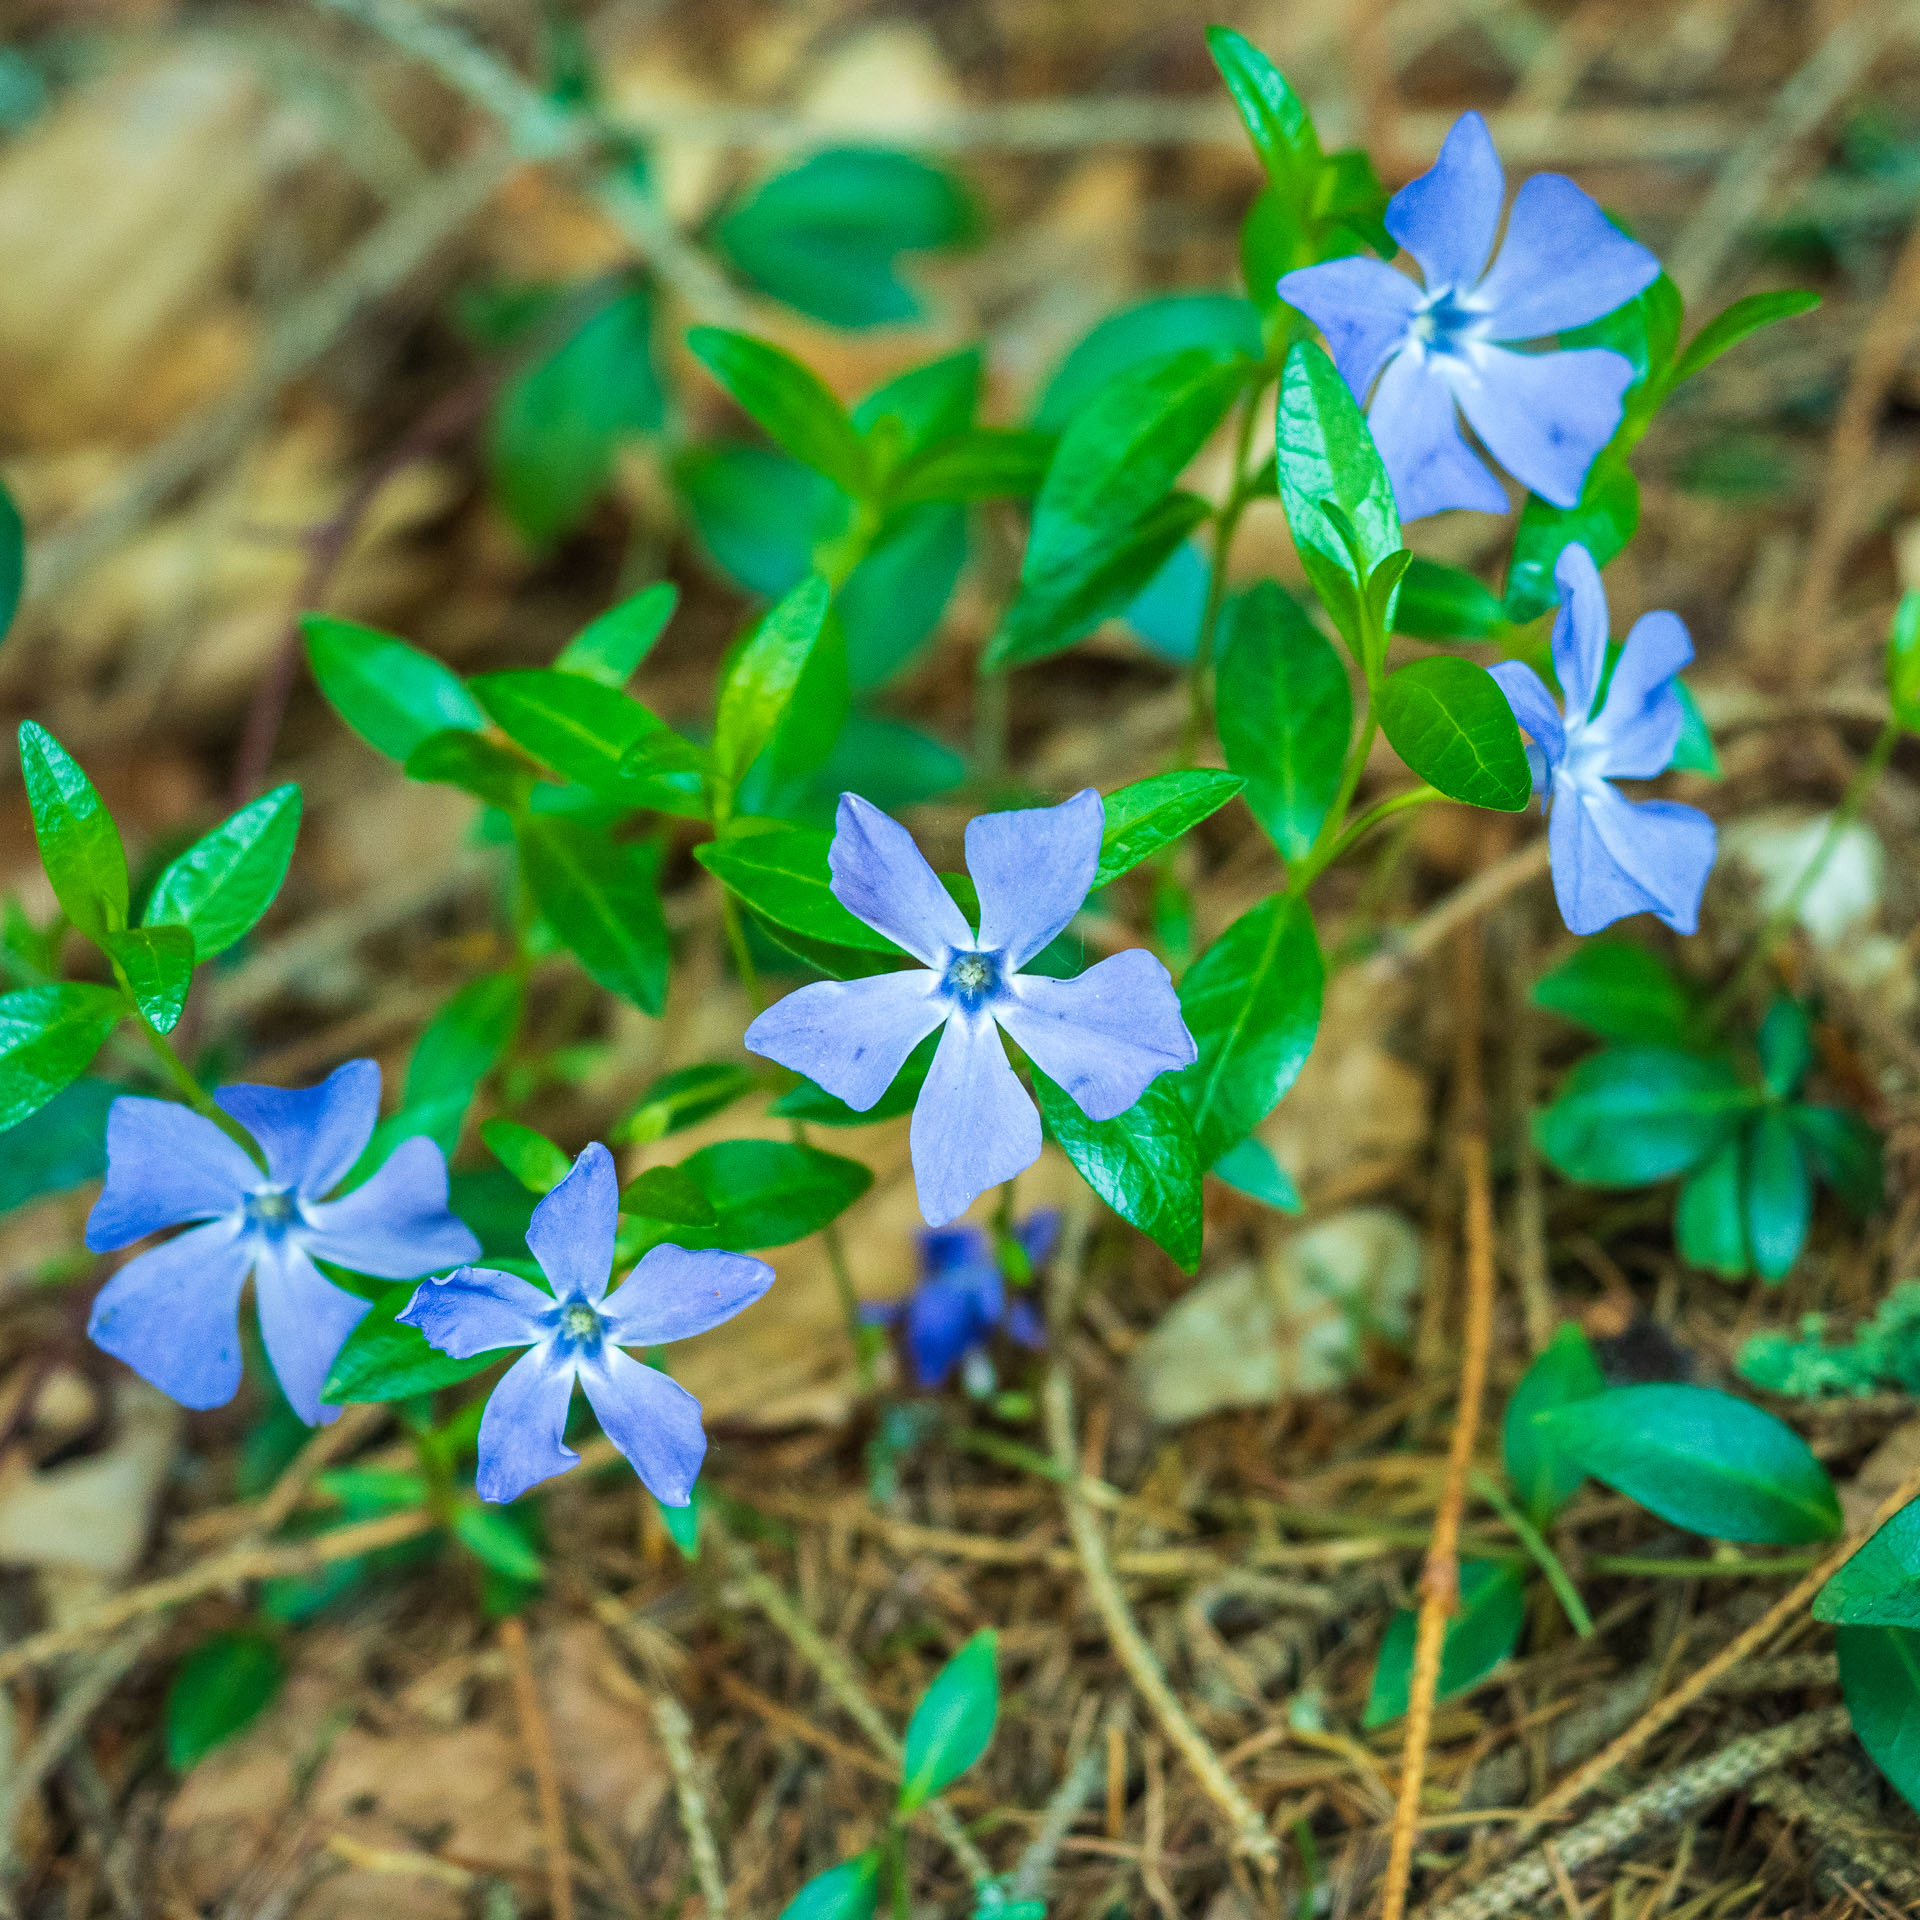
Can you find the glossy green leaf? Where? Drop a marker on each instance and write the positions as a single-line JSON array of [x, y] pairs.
[[668, 1197], [1250, 1168], [48, 1037], [62, 1146], [1285, 715], [1221, 323], [1710, 1216], [1734, 323], [601, 898], [1603, 521], [1779, 1195], [930, 403], [579, 727], [158, 965], [1703, 1460], [1880, 1680], [1635, 1114], [850, 1891], [760, 682], [79, 844], [611, 649], [1154, 813], [1620, 992], [682, 1097], [1252, 1004], [1275, 117], [1145, 1164], [953, 1724], [1439, 602], [490, 1535], [463, 1043], [219, 1690], [383, 1360], [13, 560], [768, 1193], [782, 875], [1880, 1585], [1903, 660], [984, 463], [1449, 721], [227, 879], [1544, 1477], [790, 401], [1493, 1608], [474, 764], [1846, 1153], [534, 1160], [392, 695], [894, 600]]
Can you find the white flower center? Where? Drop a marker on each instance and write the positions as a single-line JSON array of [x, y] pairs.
[[272, 1210], [973, 978]]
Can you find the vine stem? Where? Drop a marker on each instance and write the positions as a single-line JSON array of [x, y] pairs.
[[1440, 1577], [195, 1095], [1226, 524], [1779, 923]]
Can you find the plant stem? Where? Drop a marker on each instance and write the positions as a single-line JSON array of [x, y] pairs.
[[1304, 872], [195, 1095], [1225, 524], [736, 933], [1322, 857], [1779, 923], [1542, 1554]]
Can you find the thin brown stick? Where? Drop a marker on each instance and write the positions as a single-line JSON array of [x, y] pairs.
[[328, 1443], [546, 1776], [676, 1736], [1440, 1577]]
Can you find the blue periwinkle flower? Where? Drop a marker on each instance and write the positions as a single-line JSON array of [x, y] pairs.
[[173, 1313], [1611, 856], [1425, 350], [578, 1331], [1103, 1036], [962, 1299]]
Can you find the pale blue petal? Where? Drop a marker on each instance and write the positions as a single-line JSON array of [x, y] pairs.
[[311, 1135], [1543, 416], [1105, 1035], [1642, 718], [396, 1225], [1033, 869], [1447, 217], [881, 877], [851, 1036], [1532, 706], [1667, 848], [165, 1165], [1362, 307], [1579, 629], [304, 1321], [1415, 427], [571, 1232], [478, 1310], [522, 1432], [173, 1314], [654, 1421], [674, 1293], [1591, 887], [1561, 264], [974, 1125]]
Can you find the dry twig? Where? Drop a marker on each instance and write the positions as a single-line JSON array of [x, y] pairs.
[[676, 1736], [546, 1776]]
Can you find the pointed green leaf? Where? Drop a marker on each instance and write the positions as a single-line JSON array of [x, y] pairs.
[[474, 764], [79, 844], [463, 1043], [1847, 1154], [669, 1197], [611, 649], [850, 1891], [158, 964], [1880, 1585], [1632, 1115], [790, 401], [984, 463], [1734, 323], [534, 1160], [1543, 1475], [1155, 812], [1903, 660], [1620, 992], [383, 1360], [1144, 1164], [227, 879], [579, 727], [768, 1193], [1602, 521], [1710, 1216], [48, 1037], [13, 560], [600, 897], [953, 1724], [682, 1097], [1880, 1678], [1493, 1608], [760, 683], [1779, 1195], [496, 1542], [1449, 721], [1444, 603], [1250, 1168], [392, 695], [782, 875], [1276, 120], [218, 1690]]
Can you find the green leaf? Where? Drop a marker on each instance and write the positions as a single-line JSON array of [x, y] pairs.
[[827, 235], [668, 1197], [1252, 1004], [611, 649], [463, 1043], [1054, 609], [79, 844], [13, 560], [1220, 322], [534, 1160], [383, 1360], [760, 516], [48, 1037], [490, 1535], [1285, 715], [1632, 1115], [554, 430], [392, 695], [1903, 660], [1544, 1477], [682, 1097], [158, 964], [1449, 721], [1694, 752], [1493, 1608], [767, 1193], [790, 401], [782, 875], [850, 1891], [1880, 1585], [1703, 1460], [62, 1146], [600, 897], [1276, 119], [227, 879], [1155, 812], [1786, 1047], [1846, 1152], [1710, 1218], [819, 1107], [1603, 521], [953, 1724], [576, 726], [1620, 992], [930, 403], [682, 1523], [1250, 1168], [1880, 1679], [760, 683], [1144, 1164], [984, 463], [474, 764], [1734, 323], [218, 1690], [1779, 1195], [1439, 602]]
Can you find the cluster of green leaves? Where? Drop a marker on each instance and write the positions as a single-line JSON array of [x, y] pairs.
[[1883, 1354], [1700, 1459], [1672, 1098]]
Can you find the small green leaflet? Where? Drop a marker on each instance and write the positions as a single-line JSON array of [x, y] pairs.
[[668, 1197], [1880, 1585], [1544, 1475], [534, 1160], [79, 844], [463, 1043], [490, 1535], [158, 965], [227, 879], [1493, 1608], [1448, 720], [953, 1724], [782, 875], [984, 463], [62, 1146], [681, 1097], [1439, 602], [1620, 992], [13, 560], [612, 648], [815, 1104], [1276, 120], [932, 404], [1880, 1678], [768, 1193], [1636, 1114], [577, 726], [48, 1037], [217, 1691], [760, 683], [1222, 322], [1155, 812], [790, 401], [1903, 660], [600, 897], [1709, 1217], [476, 765], [1250, 1168], [383, 1360], [392, 695], [850, 1891], [1729, 327], [1603, 521], [1779, 1194]]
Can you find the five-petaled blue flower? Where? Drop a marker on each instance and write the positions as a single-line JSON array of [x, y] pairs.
[[173, 1313], [1611, 856], [962, 1299], [577, 1332], [1103, 1035], [1424, 350]]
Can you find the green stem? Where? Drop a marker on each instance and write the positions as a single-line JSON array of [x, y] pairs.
[[191, 1091], [736, 932], [1544, 1556], [1225, 524], [1731, 1567], [897, 1873], [1322, 858], [1305, 872], [1779, 923]]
